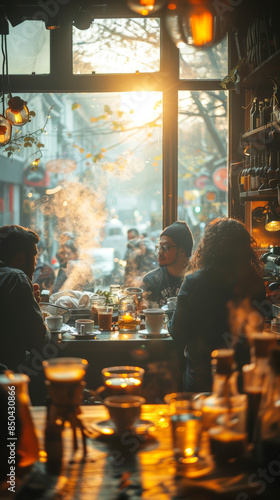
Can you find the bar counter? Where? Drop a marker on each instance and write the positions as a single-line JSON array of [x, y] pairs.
[[131, 467]]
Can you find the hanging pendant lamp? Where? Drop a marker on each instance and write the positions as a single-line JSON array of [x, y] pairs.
[[145, 7], [17, 113], [5, 131]]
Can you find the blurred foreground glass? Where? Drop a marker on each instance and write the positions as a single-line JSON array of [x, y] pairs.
[[123, 379], [186, 428], [64, 377], [124, 410]]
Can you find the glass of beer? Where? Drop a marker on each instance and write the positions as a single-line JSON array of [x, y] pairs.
[[123, 379], [105, 314]]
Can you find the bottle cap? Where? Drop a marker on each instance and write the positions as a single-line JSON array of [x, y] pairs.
[[223, 361], [275, 359], [263, 343]]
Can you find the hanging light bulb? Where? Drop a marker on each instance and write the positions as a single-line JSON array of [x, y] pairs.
[[5, 131], [17, 112], [195, 23], [145, 7]]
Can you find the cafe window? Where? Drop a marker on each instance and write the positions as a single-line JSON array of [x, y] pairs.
[[204, 64], [202, 158], [117, 46], [28, 46]]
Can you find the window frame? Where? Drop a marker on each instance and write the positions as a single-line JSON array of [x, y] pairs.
[[61, 80]]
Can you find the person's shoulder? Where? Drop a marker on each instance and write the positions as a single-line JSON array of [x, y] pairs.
[[195, 278], [153, 274]]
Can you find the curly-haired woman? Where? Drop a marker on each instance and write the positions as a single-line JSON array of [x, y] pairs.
[[223, 286]]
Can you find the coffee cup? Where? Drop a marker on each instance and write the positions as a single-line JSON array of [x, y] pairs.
[[155, 320], [124, 410], [54, 322], [84, 326]]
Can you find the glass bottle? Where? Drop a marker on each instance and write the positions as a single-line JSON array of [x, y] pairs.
[[260, 118], [225, 400], [27, 446], [254, 375], [271, 171], [242, 174], [224, 411], [267, 110], [254, 113], [246, 175], [264, 182], [269, 413], [252, 173], [258, 171]]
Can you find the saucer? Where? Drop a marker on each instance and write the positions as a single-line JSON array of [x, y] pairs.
[[146, 335], [84, 336], [107, 428]]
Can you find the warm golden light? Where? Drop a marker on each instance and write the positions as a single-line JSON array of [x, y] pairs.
[[201, 22], [18, 117]]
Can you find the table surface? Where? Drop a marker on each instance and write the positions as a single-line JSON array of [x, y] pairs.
[[130, 468]]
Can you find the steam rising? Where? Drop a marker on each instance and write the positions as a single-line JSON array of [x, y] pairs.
[[77, 209]]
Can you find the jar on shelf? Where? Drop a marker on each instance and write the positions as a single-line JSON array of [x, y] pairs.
[[127, 320]]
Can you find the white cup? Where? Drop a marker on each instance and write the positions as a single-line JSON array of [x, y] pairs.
[[54, 322], [84, 326], [155, 319]]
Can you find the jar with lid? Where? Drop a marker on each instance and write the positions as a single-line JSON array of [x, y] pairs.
[[127, 320], [96, 301]]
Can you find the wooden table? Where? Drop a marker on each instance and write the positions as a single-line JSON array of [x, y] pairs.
[[140, 467]]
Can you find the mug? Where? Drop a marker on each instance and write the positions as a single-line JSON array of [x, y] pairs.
[[84, 326], [54, 323], [155, 319], [124, 411]]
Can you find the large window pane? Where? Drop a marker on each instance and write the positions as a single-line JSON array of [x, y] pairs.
[[99, 175], [117, 46], [211, 63], [28, 49], [202, 184]]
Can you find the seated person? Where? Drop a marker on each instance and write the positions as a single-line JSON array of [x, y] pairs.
[[224, 282], [174, 251], [141, 259], [74, 273], [44, 274], [22, 327]]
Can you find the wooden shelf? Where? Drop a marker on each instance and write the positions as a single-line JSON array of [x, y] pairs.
[[255, 134], [264, 73], [262, 195]]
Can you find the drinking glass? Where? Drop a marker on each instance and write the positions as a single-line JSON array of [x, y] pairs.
[[123, 379], [105, 314], [186, 429], [64, 379]]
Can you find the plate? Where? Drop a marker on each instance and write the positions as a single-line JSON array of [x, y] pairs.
[[107, 428], [163, 335]]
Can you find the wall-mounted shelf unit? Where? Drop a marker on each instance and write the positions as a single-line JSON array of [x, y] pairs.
[[261, 133], [261, 195], [263, 74]]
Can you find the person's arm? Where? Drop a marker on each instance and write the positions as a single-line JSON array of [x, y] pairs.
[[35, 332]]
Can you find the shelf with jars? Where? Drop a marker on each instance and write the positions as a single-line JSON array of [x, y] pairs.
[[261, 195]]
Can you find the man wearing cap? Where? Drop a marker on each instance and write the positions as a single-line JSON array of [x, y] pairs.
[[174, 250]]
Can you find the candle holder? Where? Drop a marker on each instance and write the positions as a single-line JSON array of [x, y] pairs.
[[64, 381], [127, 314]]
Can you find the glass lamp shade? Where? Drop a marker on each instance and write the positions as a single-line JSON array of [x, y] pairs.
[[5, 131], [272, 222], [195, 23], [145, 7], [17, 112]]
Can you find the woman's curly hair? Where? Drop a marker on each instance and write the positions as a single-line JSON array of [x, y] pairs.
[[226, 247]]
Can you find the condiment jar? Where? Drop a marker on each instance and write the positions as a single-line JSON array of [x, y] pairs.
[[127, 313]]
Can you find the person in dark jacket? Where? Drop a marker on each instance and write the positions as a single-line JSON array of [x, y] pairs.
[[22, 327], [174, 250], [223, 285]]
